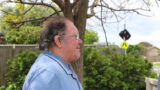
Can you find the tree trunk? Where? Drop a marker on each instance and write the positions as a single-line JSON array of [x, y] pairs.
[[79, 20], [68, 10], [80, 23]]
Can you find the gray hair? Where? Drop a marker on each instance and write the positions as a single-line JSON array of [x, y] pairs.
[[52, 28]]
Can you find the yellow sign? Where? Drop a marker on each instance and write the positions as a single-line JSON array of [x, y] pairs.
[[124, 45]]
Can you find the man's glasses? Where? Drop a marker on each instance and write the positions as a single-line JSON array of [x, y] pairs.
[[71, 35]]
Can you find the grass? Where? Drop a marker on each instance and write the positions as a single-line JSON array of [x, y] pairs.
[[156, 64]]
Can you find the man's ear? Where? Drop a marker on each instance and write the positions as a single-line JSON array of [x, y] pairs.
[[58, 41]]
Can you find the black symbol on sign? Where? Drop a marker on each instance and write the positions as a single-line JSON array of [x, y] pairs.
[[124, 44]]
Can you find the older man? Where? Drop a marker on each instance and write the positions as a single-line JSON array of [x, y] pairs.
[[52, 70]]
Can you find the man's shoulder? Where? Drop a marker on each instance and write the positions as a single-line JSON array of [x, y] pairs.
[[43, 66], [47, 63]]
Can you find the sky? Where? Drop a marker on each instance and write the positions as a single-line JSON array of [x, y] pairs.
[[141, 28]]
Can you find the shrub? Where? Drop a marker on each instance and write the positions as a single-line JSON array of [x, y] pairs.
[[90, 37], [103, 70], [111, 71], [95, 66], [18, 69], [136, 50], [26, 35]]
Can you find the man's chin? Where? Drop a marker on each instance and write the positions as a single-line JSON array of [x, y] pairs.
[[78, 57]]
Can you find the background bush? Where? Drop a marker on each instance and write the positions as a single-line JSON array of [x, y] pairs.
[[26, 35], [18, 69], [104, 70], [136, 50], [90, 37]]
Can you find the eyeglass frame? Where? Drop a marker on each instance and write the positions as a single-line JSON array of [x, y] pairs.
[[71, 35]]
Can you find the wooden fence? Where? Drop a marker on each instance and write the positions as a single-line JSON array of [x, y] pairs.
[[9, 52]]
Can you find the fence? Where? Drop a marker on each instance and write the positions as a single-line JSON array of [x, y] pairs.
[[10, 52]]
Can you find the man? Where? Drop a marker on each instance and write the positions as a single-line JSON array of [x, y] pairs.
[[52, 70]]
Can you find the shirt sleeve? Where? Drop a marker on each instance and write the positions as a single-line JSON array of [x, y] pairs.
[[46, 80]]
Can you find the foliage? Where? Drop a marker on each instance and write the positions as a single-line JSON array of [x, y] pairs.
[[2, 87], [90, 37], [29, 33], [156, 64], [94, 69], [136, 50], [17, 14], [104, 70], [18, 69], [36, 12], [159, 51], [4, 26], [26, 35], [19, 8]]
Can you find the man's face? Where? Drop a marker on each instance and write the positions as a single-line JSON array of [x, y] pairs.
[[71, 46]]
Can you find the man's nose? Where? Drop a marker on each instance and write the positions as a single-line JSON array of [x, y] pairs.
[[80, 41]]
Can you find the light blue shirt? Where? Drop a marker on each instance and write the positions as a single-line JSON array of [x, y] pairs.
[[159, 83], [50, 72]]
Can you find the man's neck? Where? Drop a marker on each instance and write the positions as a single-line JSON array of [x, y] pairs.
[[60, 54]]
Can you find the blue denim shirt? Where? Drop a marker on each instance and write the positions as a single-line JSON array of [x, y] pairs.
[[159, 83], [50, 72]]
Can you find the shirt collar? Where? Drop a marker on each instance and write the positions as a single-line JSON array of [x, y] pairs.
[[66, 67]]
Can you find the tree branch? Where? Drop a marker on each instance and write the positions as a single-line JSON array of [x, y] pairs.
[[117, 18], [157, 3], [60, 3], [7, 12], [92, 9], [129, 10], [32, 20], [20, 13], [75, 3], [27, 10], [36, 3], [104, 30], [75, 6]]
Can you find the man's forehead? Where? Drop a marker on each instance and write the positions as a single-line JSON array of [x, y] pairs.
[[71, 27]]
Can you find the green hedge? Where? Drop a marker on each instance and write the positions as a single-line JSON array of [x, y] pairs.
[[18, 69], [104, 70]]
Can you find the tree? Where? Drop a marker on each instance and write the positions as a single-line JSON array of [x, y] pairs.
[[26, 35], [90, 37], [76, 11], [18, 35]]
